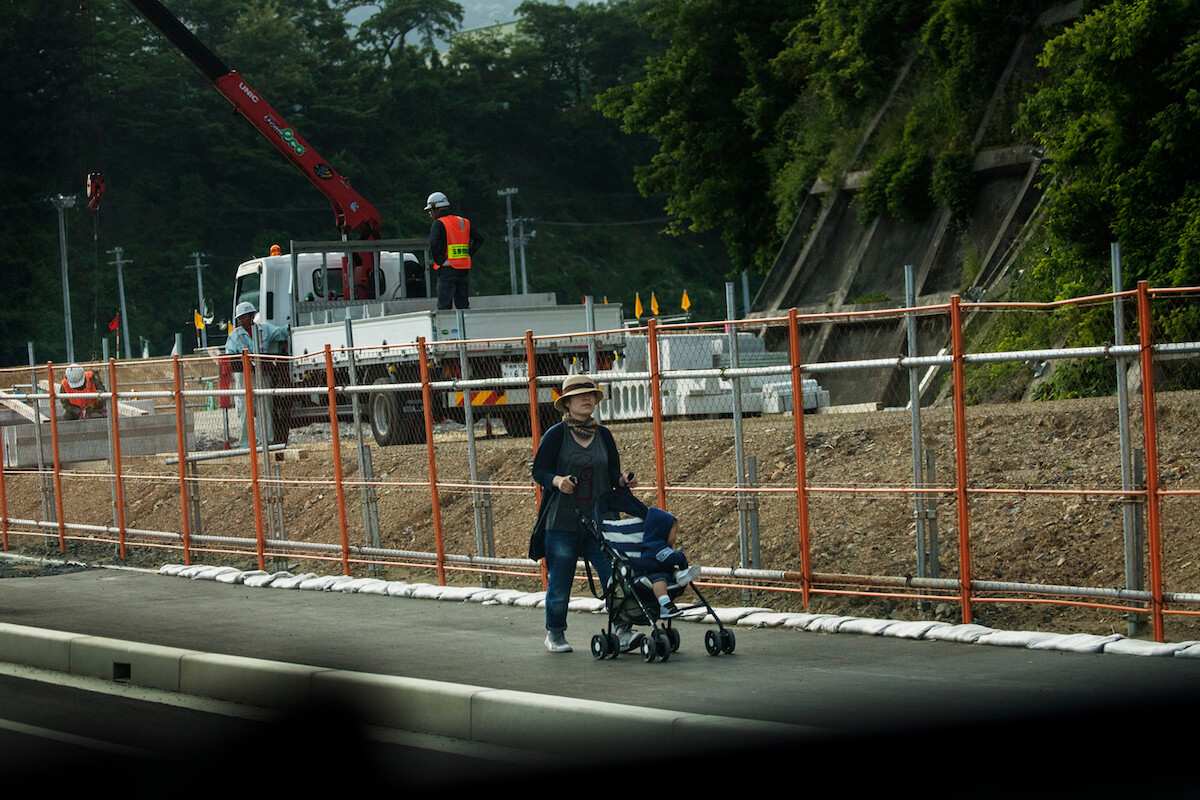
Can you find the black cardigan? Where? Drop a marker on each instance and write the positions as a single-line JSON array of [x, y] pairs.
[[545, 466]]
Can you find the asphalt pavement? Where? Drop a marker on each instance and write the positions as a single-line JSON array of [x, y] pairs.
[[835, 697]]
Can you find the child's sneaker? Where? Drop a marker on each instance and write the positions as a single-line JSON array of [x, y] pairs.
[[685, 576], [669, 610]]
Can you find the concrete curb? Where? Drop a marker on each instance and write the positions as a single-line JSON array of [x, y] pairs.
[[583, 729], [746, 617]]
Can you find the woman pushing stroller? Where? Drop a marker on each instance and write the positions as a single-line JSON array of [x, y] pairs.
[[576, 462]]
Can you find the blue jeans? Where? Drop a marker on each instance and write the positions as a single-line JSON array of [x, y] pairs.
[[563, 549]]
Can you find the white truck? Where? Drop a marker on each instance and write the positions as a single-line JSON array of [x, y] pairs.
[[302, 292]]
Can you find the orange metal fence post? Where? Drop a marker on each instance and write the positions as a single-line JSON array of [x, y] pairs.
[[252, 443], [1150, 432], [427, 401], [339, 487], [960, 461], [801, 468], [660, 467], [115, 420], [535, 422], [58, 493], [535, 428], [181, 445]]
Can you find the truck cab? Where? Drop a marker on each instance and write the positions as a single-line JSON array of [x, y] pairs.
[[268, 283]]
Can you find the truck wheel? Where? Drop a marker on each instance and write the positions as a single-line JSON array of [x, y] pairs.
[[281, 419], [385, 415], [516, 422]]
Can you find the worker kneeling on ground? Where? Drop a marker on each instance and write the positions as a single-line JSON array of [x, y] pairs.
[[77, 381]]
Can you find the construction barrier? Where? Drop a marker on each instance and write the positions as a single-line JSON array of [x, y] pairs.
[[272, 462]]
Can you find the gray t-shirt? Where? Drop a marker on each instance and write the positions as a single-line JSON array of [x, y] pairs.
[[589, 465]]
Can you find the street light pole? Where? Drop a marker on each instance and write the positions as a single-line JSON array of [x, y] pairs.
[[60, 202], [512, 258]]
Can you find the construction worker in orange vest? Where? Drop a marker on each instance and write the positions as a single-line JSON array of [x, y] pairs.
[[452, 242], [77, 381]]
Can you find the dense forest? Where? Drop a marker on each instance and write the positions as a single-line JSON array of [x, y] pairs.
[[658, 145]]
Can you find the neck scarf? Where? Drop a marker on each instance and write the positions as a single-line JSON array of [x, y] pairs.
[[584, 429]]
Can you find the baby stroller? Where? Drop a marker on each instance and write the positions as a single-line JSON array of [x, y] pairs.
[[618, 523]]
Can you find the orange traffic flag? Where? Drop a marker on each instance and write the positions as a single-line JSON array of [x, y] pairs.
[[653, 304], [637, 305], [686, 303]]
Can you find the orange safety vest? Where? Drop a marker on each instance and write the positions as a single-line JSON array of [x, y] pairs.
[[458, 241], [88, 386]]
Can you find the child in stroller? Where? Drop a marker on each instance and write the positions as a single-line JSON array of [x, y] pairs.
[[661, 563], [647, 575]]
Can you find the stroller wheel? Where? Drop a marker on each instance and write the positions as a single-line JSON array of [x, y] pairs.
[[600, 647], [662, 643], [614, 645], [673, 638], [649, 649], [727, 641], [711, 643]]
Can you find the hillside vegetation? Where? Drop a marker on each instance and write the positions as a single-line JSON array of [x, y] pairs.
[[658, 145]]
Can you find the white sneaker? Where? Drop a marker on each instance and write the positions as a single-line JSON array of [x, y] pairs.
[[557, 642], [628, 639], [685, 576]]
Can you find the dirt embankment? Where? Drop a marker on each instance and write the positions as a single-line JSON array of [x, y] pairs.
[[1058, 539]]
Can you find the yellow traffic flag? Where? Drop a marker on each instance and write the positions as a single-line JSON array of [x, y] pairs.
[[198, 321], [653, 304], [686, 303], [637, 305]]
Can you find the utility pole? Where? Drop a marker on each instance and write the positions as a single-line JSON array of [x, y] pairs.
[[117, 254], [523, 240], [512, 263], [60, 202], [200, 287]]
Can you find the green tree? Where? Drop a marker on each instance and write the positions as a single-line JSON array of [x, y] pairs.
[[695, 102]]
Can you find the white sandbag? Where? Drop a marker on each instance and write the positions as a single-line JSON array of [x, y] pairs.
[[917, 629], [399, 588], [1016, 638], [211, 573], [1076, 642], [315, 583], [585, 605], [765, 619], [292, 581], [530, 600], [830, 624], [170, 569], [239, 576], [1140, 647], [1191, 651], [804, 621], [967, 633], [871, 627], [265, 579], [459, 593]]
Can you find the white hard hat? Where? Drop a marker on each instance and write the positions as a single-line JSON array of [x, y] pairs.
[[75, 376], [244, 308], [437, 200]]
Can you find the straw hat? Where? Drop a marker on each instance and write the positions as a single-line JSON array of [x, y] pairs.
[[577, 384]]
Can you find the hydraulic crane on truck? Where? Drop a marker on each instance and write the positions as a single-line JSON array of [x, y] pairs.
[[354, 216]]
